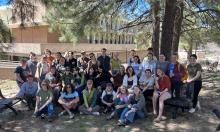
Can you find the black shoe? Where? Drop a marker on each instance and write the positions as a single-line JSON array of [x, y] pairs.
[[50, 119], [43, 116]]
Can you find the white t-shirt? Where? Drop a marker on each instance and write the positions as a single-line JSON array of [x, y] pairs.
[[105, 92]]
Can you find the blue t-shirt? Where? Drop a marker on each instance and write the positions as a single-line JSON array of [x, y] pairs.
[[136, 68], [71, 96]]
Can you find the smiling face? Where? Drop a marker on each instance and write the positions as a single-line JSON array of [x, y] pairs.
[[159, 72], [44, 85], [136, 90], [147, 73], [162, 57], [130, 70], [69, 88], [89, 84], [192, 60], [123, 89]]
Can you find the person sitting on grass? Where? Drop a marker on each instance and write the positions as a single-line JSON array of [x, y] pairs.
[[67, 77], [120, 101], [135, 109], [89, 97], [44, 102], [107, 98], [28, 92], [163, 85], [69, 100]]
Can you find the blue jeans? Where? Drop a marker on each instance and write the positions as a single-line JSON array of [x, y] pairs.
[[132, 115], [46, 110]]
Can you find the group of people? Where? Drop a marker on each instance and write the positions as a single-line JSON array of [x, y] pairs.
[[93, 85]]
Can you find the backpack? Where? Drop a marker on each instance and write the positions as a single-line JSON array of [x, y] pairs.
[[185, 76]]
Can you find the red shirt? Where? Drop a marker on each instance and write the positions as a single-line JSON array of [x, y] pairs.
[[164, 82]]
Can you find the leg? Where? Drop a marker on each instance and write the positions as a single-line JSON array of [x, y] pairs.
[[131, 117], [197, 88], [154, 101], [122, 116], [96, 109], [162, 98], [50, 110]]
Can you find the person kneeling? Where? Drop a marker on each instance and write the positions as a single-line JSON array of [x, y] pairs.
[[44, 102], [89, 97], [163, 85], [135, 109], [28, 92], [69, 99]]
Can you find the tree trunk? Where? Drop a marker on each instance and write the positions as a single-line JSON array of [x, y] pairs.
[[156, 28], [167, 28], [177, 27]]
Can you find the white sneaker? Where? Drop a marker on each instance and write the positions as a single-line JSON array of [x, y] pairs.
[[192, 110], [96, 113], [61, 113], [71, 116], [198, 106]]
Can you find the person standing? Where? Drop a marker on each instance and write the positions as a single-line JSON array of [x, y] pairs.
[[176, 73], [104, 60], [21, 72], [32, 63], [194, 78]]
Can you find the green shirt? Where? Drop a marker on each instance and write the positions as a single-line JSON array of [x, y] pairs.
[[193, 69], [115, 64], [44, 95], [89, 98]]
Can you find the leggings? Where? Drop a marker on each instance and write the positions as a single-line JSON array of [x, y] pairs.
[[197, 88]]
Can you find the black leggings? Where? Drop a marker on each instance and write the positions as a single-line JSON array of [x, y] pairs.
[[197, 88]]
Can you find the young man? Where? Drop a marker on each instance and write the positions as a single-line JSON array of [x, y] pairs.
[[32, 63], [28, 92], [44, 102], [104, 60], [149, 63], [21, 72]]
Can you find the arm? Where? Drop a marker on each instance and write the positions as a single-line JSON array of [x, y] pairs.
[[19, 78], [135, 81], [48, 101], [125, 81], [198, 74], [37, 104], [85, 99], [21, 92], [94, 98], [140, 104]]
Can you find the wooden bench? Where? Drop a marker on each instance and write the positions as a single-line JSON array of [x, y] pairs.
[[217, 113], [184, 102], [8, 103]]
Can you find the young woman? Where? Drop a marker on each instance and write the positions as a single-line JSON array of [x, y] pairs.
[[93, 63], [89, 97], [69, 99], [107, 98], [44, 102], [194, 78], [91, 74], [162, 93], [118, 78], [42, 69], [120, 101], [136, 65], [130, 79], [79, 80], [135, 109]]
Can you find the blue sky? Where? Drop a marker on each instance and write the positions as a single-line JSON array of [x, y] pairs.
[[4, 2]]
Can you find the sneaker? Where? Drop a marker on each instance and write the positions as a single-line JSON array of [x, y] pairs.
[[71, 116], [198, 106], [192, 110], [43, 116], [61, 113], [96, 113], [121, 123], [50, 119]]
